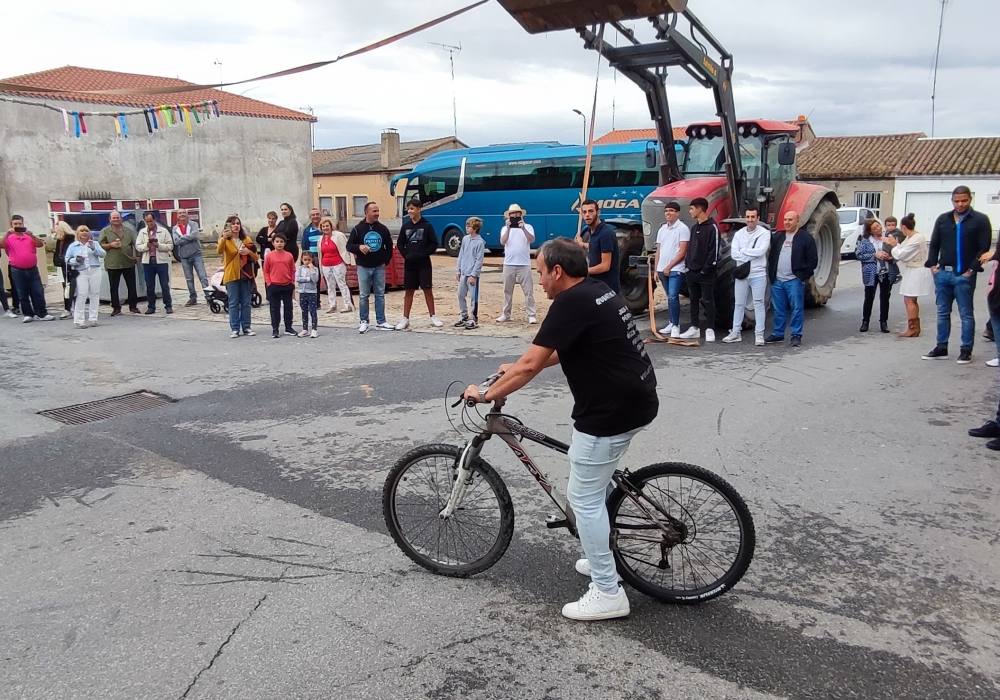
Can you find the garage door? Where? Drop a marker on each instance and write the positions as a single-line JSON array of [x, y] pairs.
[[927, 207]]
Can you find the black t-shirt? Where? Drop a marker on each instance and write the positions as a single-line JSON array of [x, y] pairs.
[[603, 358], [417, 242], [604, 240]]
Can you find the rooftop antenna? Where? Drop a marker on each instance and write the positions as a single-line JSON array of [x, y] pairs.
[[937, 55], [452, 50], [218, 63]]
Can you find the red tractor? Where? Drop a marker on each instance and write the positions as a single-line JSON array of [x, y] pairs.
[[733, 164]]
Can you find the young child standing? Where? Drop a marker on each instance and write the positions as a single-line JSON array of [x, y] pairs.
[[467, 271], [307, 283], [279, 281]]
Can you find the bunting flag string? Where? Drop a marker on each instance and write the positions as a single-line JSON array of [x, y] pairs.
[[156, 118]]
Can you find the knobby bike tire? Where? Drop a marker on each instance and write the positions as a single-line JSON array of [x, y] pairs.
[[485, 477], [628, 562]]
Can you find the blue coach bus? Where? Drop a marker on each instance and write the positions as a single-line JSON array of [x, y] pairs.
[[544, 178]]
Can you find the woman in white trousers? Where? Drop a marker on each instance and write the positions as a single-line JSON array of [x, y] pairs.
[[334, 259], [83, 258]]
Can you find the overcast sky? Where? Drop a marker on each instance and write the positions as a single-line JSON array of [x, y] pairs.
[[855, 67]]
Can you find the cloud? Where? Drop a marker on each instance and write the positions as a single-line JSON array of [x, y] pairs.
[[854, 66]]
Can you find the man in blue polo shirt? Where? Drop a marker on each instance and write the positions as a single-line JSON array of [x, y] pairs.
[[601, 242]]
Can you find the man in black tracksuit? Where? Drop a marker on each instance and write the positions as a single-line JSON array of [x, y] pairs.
[[417, 242], [702, 261]]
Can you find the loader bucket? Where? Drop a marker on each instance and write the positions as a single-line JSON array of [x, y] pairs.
[[538, 16]]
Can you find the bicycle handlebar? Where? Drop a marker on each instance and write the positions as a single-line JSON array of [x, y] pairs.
[[490, 381]]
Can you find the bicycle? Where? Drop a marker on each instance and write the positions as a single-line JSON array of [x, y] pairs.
[[679, 533]]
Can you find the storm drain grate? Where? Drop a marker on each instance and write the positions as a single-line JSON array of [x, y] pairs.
[[92, 411]]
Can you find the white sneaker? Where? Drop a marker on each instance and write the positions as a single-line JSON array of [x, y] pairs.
[[733, 337], [303, 333], [27, 319], [503, 318], [363, 327], [248, 332], [759, 340], [10, 314], [995, 362], [403, 325], [667, 329], [64, 315], [582, 567], [675, 332], [347, 309], [691, 333], [46, 317], [595, 605], [234, 334], [385, 326], [436, 322], [709, 335], [313, 333], [80, 325], [532, 320]]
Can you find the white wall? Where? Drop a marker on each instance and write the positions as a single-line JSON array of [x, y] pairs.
[[234, 164], [931, 197]]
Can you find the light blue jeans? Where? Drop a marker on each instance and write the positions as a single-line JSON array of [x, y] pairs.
[[950, 288], [788, 295], [192, 265], [369, 278], [592, 461], [672, 286], [752, 285]]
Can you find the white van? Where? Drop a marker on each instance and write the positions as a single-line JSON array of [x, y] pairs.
[[852, 221]]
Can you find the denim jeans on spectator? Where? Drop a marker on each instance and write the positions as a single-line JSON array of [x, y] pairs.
[[672, 286], [788, 295], [757, 286], [592, 461], [196, 263], [950, 288], [151, 272], [239, 304], [995, 322], [30, 291], [371, 279]]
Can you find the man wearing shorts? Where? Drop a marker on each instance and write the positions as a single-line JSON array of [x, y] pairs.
[[417, 242]]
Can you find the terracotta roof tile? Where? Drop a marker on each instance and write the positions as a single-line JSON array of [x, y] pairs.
[[953, 156], [82, 79], [628, 135], [840, 157]]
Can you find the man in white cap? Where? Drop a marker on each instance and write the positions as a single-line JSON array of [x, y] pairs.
[[517, 237]]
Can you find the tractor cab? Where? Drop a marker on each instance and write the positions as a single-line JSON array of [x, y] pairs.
[[767, 161]]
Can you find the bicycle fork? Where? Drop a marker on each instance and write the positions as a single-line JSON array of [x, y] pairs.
[[463, 477]]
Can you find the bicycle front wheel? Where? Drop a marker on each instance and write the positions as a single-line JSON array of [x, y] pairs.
[[712, 540], [473, 538]]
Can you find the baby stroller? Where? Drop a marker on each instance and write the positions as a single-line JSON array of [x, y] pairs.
[[218, 300]]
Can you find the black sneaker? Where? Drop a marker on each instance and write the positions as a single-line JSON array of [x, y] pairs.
[[993, 444], [989, 429], [275, 334], [460, 323], [470, 324], [939, 352], [796, 341], [964, 356], [191, 302], [291, 331], [774, 338], [150, 311], [169, 310]]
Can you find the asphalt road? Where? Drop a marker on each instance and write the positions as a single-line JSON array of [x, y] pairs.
[[231, 544]]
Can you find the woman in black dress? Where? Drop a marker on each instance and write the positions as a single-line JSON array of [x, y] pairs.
[[289, 227]]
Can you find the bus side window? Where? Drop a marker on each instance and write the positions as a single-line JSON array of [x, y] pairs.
[[438, 184]]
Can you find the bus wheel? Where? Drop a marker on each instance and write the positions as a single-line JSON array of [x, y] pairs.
[[452, 241]]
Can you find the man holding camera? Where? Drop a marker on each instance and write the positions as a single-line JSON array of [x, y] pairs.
[[517, 237], [21, 246]]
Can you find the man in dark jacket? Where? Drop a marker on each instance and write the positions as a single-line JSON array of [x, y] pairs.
[[417, 242], [702, 261], [960, 237], [791, 263], [371, 244]]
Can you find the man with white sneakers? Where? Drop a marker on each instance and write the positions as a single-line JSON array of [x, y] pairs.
[[672, 242], [590, 333], [516, 238], [749, 252], [417, 242], [702, 261]]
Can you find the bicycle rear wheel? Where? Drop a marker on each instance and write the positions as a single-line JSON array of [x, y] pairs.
[[715, 537], [470, 541]]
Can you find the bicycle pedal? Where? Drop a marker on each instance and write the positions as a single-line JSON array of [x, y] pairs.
[[554, 522]]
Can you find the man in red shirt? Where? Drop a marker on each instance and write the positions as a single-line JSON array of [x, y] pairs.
[[21, 245]]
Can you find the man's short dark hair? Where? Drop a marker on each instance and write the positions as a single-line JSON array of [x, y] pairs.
[[368, 204], [700, 202], [281, 236], [893, 219], [566, 254], [753, 209], [17, 217], [672, 205], [961, 189], [415, 202], [589, 201]]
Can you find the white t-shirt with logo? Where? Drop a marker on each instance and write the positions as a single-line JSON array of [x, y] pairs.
[[517, 250], [669, 239]]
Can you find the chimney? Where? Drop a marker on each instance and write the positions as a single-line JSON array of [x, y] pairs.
[[390, 149]]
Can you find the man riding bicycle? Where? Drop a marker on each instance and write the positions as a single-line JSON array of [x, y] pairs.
[[590, 333]]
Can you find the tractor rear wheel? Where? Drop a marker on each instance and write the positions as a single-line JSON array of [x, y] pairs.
[[825, 229]]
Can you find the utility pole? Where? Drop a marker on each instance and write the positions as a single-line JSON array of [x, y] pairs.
[[937, 55], [452, 50], [584, 117]]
